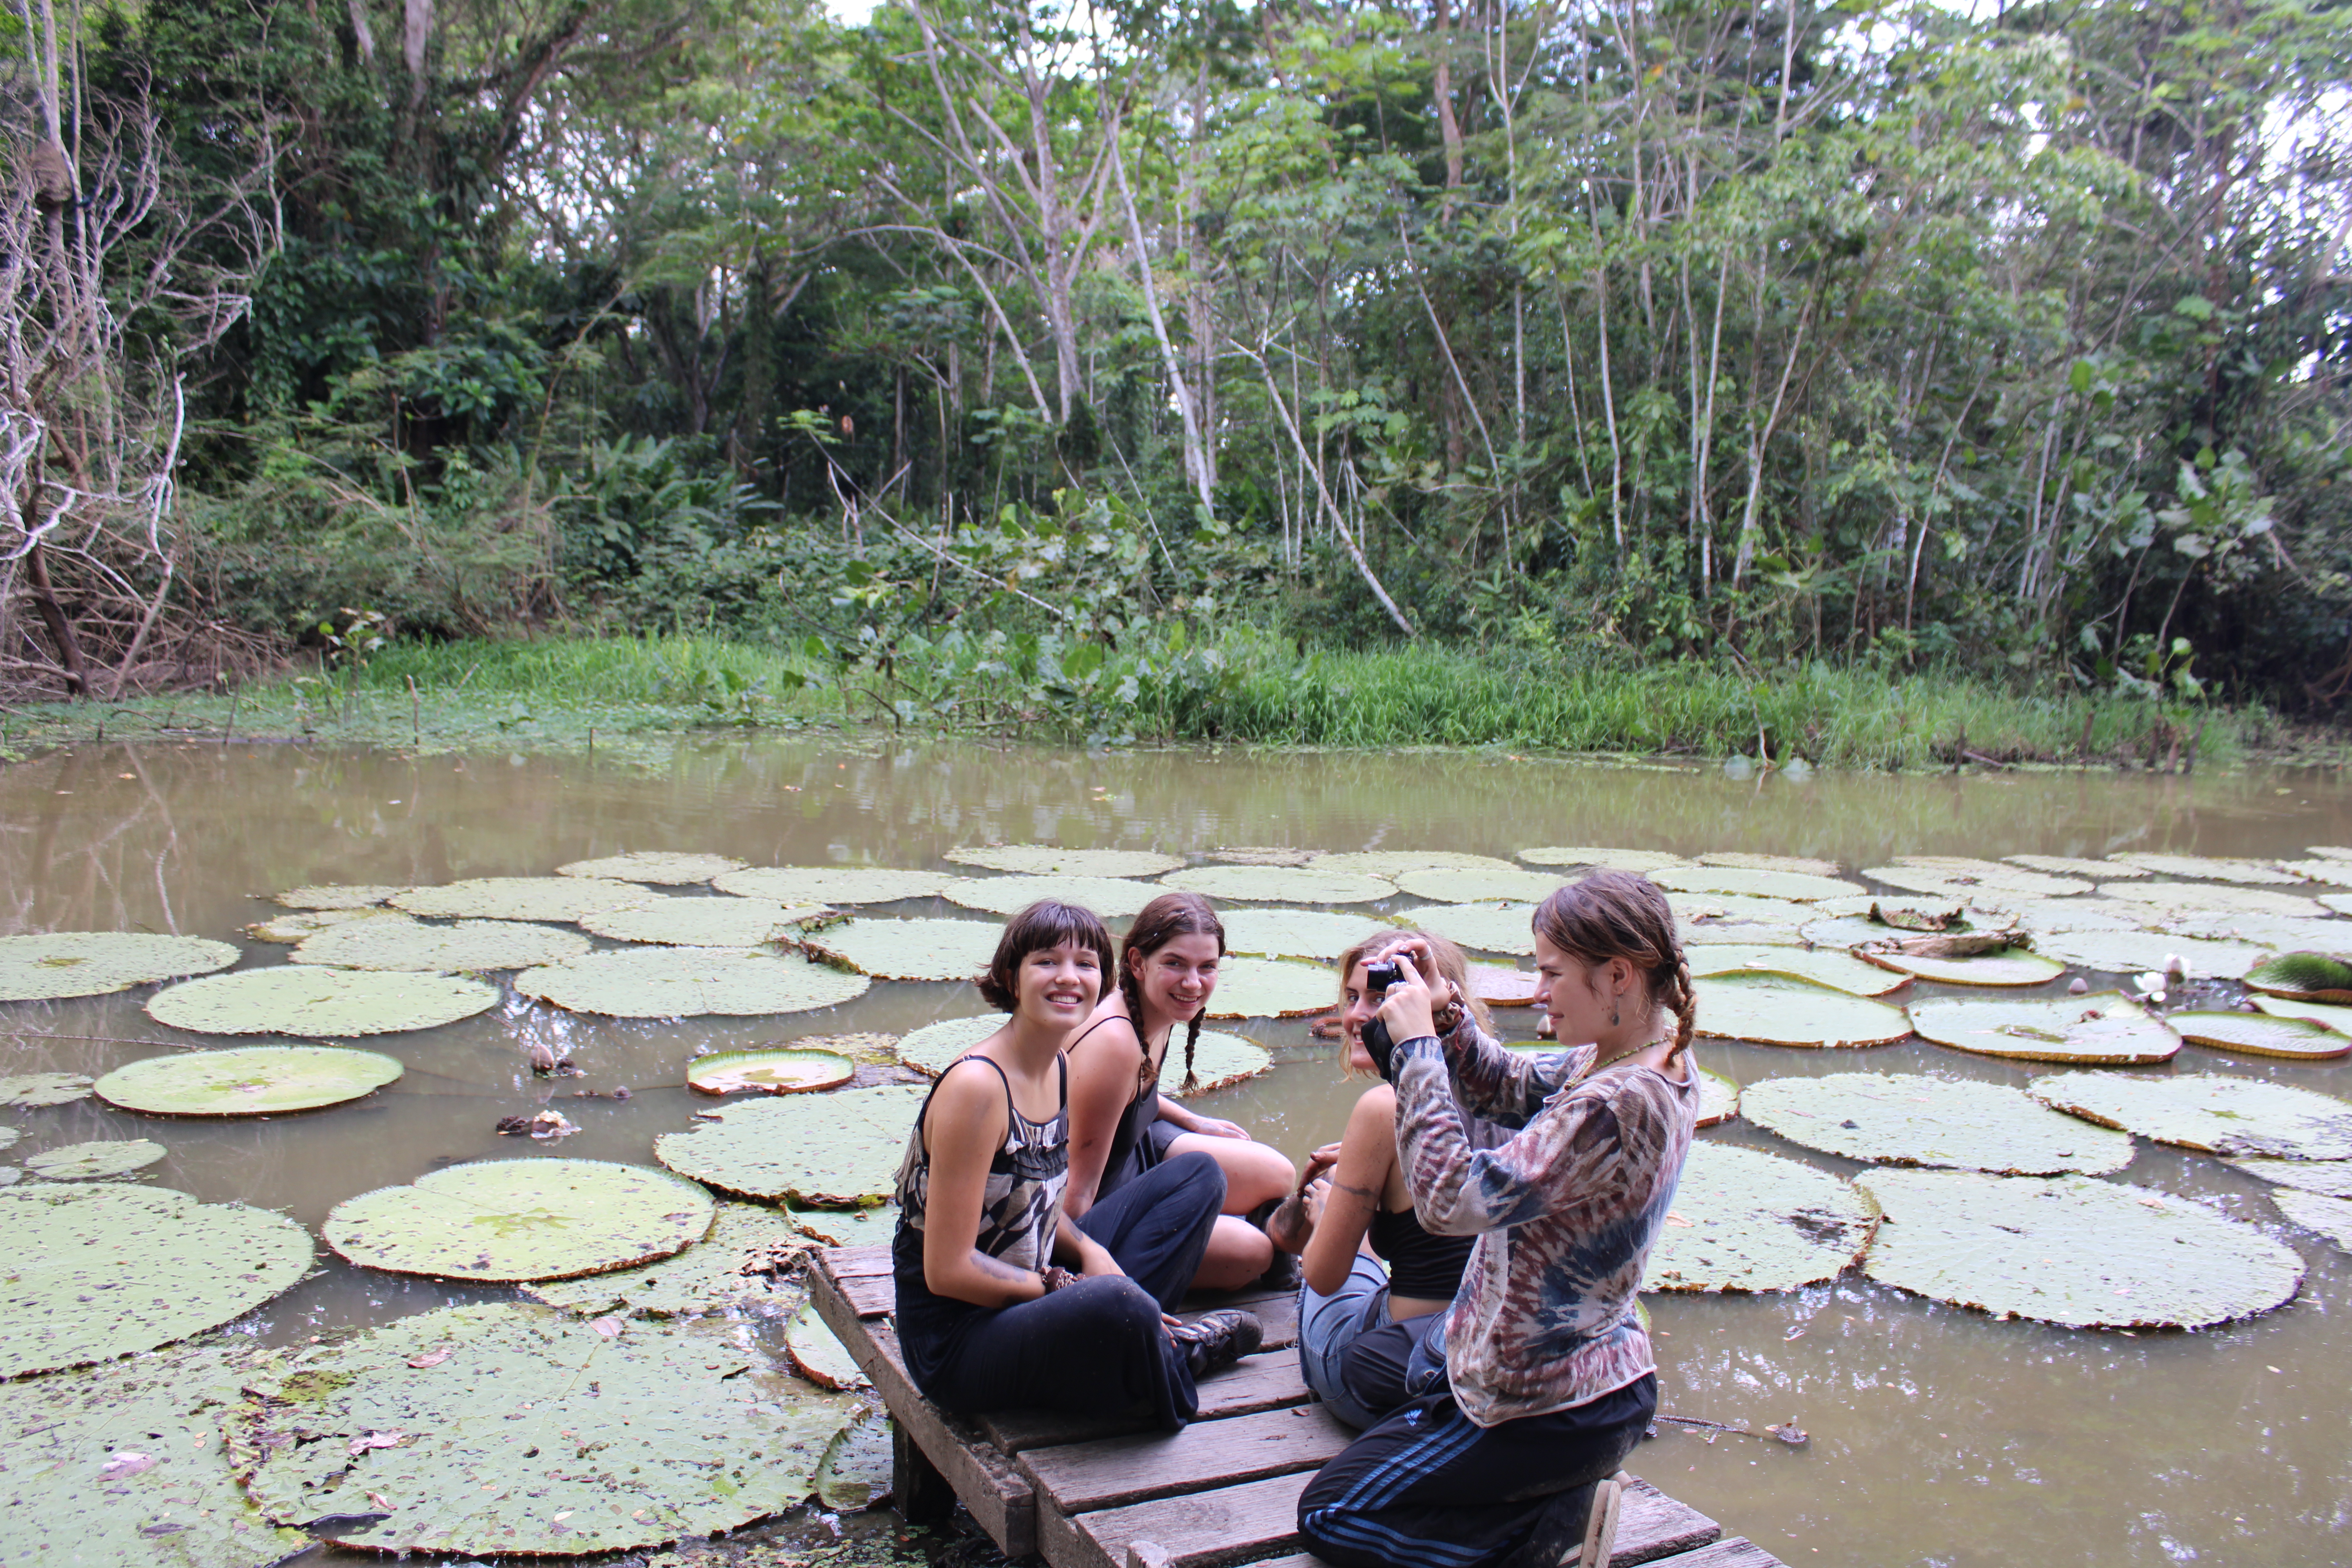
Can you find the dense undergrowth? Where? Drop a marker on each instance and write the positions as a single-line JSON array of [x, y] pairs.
[[1241, 688]]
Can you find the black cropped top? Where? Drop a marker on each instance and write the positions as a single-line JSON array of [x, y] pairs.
[[1419, 1264]]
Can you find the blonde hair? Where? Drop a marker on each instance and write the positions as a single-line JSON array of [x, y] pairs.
[[1444, 957]]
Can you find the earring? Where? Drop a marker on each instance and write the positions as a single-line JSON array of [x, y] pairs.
[[1613, 1001]]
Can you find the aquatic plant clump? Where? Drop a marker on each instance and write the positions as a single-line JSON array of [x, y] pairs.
[[2071, 1250], [1451, 886], [667, 869], [2259, 1035], [721, 921], [909, 949], [1109, 897], [558, 899], [506, 1220], [471, 946], [250, 1081], [838, 1149], [1918, 1121], [2106, 1027], [107, 1270], [309, 1000], [32, 1089], [1838, 971], [1050, 860], [771, 1070], [1745, 1220], [120, 1466], [1311, 884], [1297, 934], [1270, 988], [689, 981], [836, 884], [749, 1258], [512, 1429], [2209, 1112], [1771, 1010], [95, 1161], [341, 896], [93, 962]]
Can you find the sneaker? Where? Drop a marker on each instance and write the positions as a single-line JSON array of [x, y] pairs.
[[1601, 1526], [1218, 1340]]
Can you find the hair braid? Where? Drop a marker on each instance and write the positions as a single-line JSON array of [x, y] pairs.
[[1683, 998], [1130, 987], [1191, 1039]]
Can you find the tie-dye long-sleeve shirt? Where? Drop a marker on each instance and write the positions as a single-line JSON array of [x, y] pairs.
[[1565, 1211]]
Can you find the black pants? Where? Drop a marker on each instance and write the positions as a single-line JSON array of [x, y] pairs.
[[1428, 1488], [1374, 1367], [1097, 1347]]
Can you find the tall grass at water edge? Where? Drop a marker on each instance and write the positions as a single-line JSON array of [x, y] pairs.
[[1244, 688]]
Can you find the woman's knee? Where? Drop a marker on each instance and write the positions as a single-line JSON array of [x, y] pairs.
[[1116, 1304], [1198, 1177]]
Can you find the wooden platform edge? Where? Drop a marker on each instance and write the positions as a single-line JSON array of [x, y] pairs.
[[1002, 1501]]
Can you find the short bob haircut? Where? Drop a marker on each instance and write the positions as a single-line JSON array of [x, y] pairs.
[[1045, 923]]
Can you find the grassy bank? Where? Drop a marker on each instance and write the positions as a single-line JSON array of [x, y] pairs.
[[1243, 688]]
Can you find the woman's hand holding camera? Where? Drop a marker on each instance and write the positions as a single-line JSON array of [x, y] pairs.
[[1410, 1006]]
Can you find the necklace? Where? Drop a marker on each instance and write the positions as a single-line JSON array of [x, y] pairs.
[[1621, 1056]]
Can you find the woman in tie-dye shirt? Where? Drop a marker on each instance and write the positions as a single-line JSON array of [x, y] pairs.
[[1536, 1384]]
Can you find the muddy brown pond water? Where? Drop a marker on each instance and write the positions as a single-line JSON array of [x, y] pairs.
[[1940, 1436]]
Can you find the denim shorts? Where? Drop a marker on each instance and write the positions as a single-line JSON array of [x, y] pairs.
[[1327, 1325]]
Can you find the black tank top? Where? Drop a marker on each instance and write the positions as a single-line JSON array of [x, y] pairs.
[[1419, 1264], [1122, 1164]]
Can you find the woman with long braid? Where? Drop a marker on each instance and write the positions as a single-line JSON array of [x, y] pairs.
[[1529, 1392], [1120, 1125]]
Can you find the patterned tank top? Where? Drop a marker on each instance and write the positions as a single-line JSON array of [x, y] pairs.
[[1020, 1202]]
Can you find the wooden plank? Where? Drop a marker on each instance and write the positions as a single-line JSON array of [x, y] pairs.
[[1000, 1500], [1199, 1530], [1263, 1381], [1244, 1523], [855, 1262], [1732, 1551], [868, 1298], [1276, 1310], [1110, 1472]]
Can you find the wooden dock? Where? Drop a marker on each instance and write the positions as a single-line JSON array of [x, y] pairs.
[[1096, 1494]]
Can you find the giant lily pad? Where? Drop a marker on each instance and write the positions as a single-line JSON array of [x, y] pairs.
[[1773, 1011], [1918, 1121], [2046, 916], [93, 962], [667, 869], [849, 1228], [2132, 952], [520, 1219], [1952, 876], [412, 945], [250, 1080], [1454, 886], [2071, 1250], [836, 884], [2280, 933], [1838, 971], [340, 895], [2006, 966], [1270, 988], [2209, 1112], [38, 1088], [858, 1468], [521, 898], [930, 1048], [819, 1356], [2076, 866], [2326, 1015], [1297, 933], [2303, 977], [515, 1430], [1387, 864], [749, 1256], [120, 1466], [840, 1149], [2329, 873], [2212, 869], [689, 982], [1502, 985], [1794, 886], [2331, 1217], [909, 950], [1746, 1220], [2106, 1027], [2328, 1178], [1219, 1060], [771, 1069], [1747, 860], [1261, 855], [108, 1270], [1719, 1097], [1281, 884], [1642, 862], [2259, 1034], [303, 999], [1483, 928], [1050, 860], [293, 928], [722, 921], [1109, 897], [2175, 899], [94, 1162]]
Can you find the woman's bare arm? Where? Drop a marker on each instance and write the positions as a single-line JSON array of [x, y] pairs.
[[963, 1131], [1105, 1066], [1367, 1155]]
